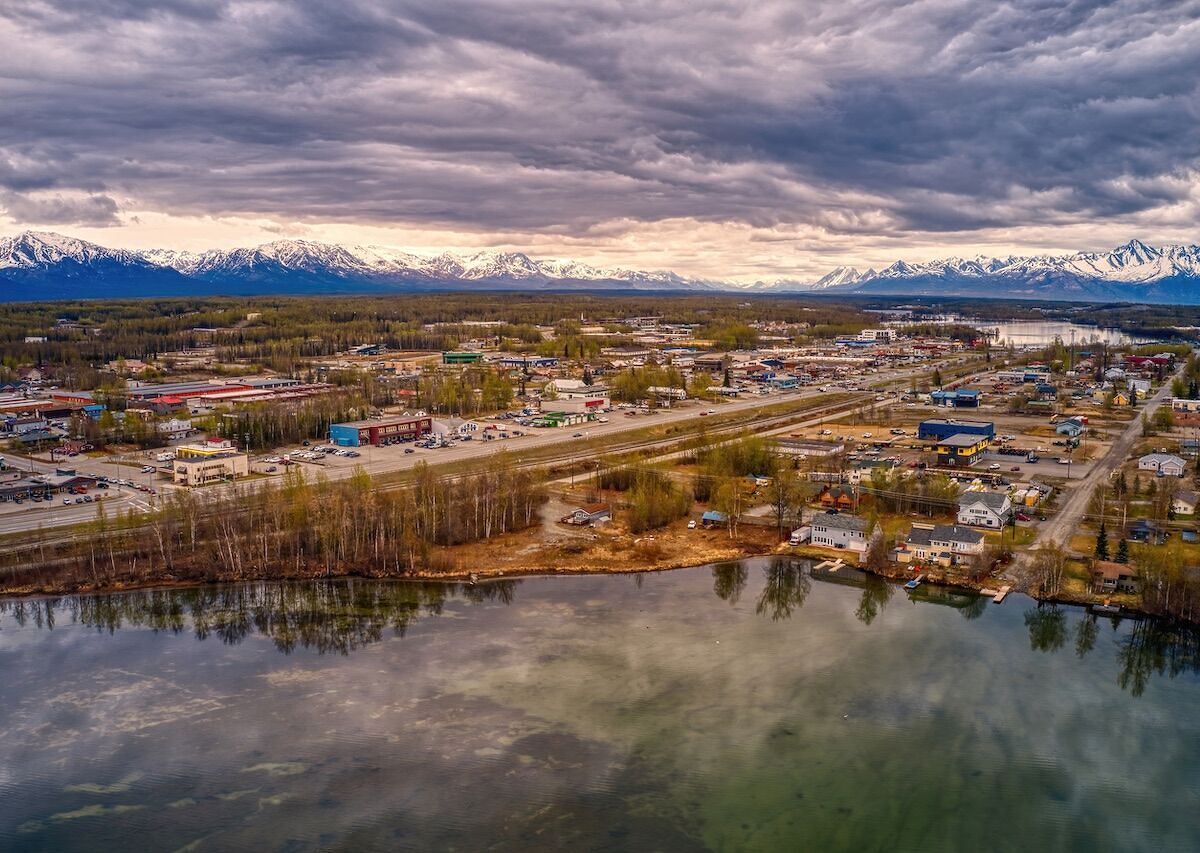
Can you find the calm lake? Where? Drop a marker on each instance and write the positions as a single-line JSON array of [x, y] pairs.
[[1030, 333], [748, 706]]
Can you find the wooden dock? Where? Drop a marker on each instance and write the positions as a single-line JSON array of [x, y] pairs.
[[999, 597], [830, 565]]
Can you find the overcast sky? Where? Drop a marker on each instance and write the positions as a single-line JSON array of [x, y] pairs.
[[738, 140]]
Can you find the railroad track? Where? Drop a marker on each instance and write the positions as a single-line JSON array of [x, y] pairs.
[[669, 444]]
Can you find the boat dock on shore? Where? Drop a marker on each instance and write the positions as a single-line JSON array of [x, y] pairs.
[[830, 565]]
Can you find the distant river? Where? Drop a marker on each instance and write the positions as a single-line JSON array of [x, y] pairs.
[[747, 707], [1028, 333]]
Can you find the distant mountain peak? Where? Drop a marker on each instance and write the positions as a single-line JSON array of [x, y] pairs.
[[53, 265], [1134, 271]]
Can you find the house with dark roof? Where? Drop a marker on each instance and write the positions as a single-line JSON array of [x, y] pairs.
[[840, 530], [943, 544], [961, 449]]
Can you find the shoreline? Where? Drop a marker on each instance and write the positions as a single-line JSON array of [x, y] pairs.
[[478, 577]]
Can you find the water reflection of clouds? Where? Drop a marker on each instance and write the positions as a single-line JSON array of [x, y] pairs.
[[556, 702]]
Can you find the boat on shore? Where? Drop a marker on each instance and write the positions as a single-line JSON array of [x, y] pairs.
[[915, 582]]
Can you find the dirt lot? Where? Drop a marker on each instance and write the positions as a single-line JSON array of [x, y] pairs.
[[609, 549]]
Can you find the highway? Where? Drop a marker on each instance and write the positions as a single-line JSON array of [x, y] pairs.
[[390, 460]]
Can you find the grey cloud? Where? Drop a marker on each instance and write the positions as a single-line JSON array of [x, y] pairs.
[[560, 116], [98, 211]]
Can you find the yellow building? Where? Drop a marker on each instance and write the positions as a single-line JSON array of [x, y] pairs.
[[961, 449], [209, 461]]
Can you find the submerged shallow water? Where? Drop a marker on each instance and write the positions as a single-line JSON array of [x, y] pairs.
[[747, 706]]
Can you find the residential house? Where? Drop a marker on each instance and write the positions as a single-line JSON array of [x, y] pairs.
[[1071, 427], [1113, 577], [1163, 464], [712, 518], [944, 544], [864, 469], [840, 530], [1140, 387], [984, 509], [838, 497], [590, 514], [1184, 502]]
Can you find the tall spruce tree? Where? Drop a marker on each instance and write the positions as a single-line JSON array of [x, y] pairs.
[[1102, 543]]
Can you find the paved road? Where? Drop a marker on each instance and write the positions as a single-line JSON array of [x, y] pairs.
[[30, 516], [391, 459], [1059, 529]]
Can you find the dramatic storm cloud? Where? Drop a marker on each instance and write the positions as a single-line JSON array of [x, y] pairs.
[[694, 131]]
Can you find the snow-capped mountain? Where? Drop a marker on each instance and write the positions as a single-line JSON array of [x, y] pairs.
[[840, 276], [42, 265], [1134, 272], [56, 266]]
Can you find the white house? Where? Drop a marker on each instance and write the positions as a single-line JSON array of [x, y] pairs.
[[1141, 387], [945, 544], [984, 509], [837, 530], [1184, 502], [1163, 464]]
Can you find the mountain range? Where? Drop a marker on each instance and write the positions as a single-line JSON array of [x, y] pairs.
[[42, 265]]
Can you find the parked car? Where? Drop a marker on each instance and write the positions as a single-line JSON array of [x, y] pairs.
[[692, 524], [1015, 468], [409, 450], [1023, 517], [995, 466]]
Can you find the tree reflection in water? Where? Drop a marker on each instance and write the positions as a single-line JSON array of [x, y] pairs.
[[729, 579], [876, 593], [785, 588], [1151, 646], [335, 616], [1156, 647], [1047, 625]]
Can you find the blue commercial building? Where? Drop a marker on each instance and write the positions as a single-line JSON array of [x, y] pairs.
[[938, 429], [376, 432], [964, 399]]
